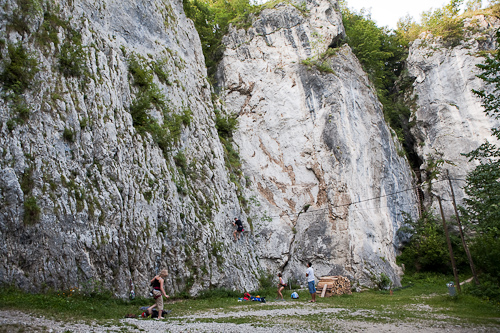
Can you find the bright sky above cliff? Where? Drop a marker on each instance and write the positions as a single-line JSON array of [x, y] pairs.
[[388, 12]]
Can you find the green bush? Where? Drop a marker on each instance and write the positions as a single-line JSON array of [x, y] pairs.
[[485, 249], [20, 18], [84, 122], [173, 124], [22, 110], [140, 117], [20, 70], [170, 130], [267, 285], [445, 22], [211, 20], [11, 124], [181, 161], [148, 196], [159, 69], [186, 117], [489, 289], [225, 125], [48, 32], [427, 250], [68, 135], [321, 61], [31, 211], [383, 282], [143, 78], [27, 181], [72, 60], [320, 65]]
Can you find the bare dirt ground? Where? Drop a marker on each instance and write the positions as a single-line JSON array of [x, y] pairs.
[[313, 318]]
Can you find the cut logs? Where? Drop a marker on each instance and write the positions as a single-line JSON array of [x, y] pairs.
[[333, 285]]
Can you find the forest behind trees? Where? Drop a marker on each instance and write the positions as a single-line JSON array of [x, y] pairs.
[[383, 53]]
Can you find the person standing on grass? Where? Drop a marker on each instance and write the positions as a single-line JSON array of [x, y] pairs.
[[281, 286], [158, 283], [311, 282]]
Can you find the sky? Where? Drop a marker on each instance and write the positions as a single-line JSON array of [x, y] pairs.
[[388, 12]]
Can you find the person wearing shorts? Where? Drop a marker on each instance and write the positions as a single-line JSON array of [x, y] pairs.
[[237, 223], [281, 286], [311, 282], [158, 291]]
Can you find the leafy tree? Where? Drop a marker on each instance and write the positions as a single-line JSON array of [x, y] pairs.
[[427, 250], [211, 19], [473, 5], [408, 28], [445, 22], [481, 210], [482, 207], [366, 41], [382, 53]]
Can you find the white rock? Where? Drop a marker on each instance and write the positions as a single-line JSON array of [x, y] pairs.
[[450, 120], [314, 139]]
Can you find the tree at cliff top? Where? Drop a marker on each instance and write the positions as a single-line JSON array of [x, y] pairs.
[[482, 206], [211, 19], [446, 22]]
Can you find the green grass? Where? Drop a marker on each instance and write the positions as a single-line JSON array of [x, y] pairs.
[[66, 305], [424, 299]]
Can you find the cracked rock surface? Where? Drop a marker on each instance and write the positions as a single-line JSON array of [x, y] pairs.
[[314, 146]]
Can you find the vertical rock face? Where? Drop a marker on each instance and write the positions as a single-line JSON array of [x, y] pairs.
[[86, 194], [326, 180], [111, 167], [450, 120]]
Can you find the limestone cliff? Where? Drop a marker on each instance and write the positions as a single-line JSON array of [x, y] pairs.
[[323, 165], [449, 118], [94, 190], [111, 165]]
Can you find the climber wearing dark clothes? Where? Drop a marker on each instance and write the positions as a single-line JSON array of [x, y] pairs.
[[237, 223]]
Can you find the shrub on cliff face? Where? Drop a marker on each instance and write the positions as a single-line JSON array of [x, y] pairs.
[[20, 70], [225, 125], [21, 16], [72, 60], [151, 97], [69, 135], [31, 211], [445, 22]]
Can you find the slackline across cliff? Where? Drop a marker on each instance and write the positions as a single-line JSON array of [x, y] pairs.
[[369, 199]]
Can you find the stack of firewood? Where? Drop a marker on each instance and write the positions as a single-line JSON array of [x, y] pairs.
[[333, 285]]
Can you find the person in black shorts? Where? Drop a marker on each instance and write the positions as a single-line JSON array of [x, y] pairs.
[[281, 286], [238, 224]]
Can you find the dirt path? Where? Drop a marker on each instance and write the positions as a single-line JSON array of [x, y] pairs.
[[284, 319]]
